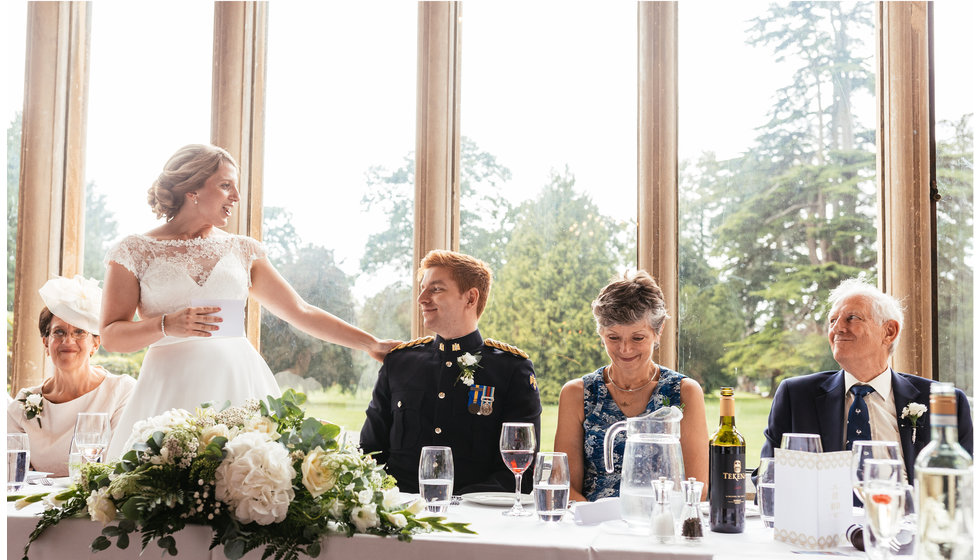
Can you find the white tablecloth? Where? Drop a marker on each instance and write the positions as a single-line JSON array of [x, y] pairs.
[[498, 538]]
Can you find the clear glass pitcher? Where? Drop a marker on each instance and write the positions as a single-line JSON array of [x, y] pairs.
[[653, 450]]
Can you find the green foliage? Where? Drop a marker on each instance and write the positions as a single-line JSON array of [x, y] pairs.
[[13, 189], [312, 272], [101, 229], [562, 252], [121, 364]]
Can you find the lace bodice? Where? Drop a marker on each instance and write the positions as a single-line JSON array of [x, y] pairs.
[[173, 272]]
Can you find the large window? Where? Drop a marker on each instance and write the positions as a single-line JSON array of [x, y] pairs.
[[777, 183], [548, 171], [955, 105], [339, 184], [14, 27]]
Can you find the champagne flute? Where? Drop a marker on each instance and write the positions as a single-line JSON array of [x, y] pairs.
[[91, 435], [802, 442], [861, 452], [884, 505], [436, 477], [517, 446]]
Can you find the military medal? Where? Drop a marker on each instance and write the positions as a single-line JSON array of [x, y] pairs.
[[486, 403]]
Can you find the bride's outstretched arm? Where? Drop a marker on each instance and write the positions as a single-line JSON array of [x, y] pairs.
[[121, 333], [272, 291]]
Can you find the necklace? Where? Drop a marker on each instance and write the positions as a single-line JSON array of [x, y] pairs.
[[635, 389]]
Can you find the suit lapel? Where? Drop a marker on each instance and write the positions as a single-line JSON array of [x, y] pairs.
[[904, 392], [830, 412]]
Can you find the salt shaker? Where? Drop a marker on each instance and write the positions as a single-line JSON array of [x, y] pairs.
[[662, 520], [692, 524]]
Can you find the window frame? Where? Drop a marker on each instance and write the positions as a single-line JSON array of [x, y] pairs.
[[51, 226]]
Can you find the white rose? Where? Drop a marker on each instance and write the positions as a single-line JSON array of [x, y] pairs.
[[34, 399], [468, 381], [917, 409], [262, 425], [209, 433], [396, 519], [100, 507], [467, 359], [365, 496], [255, 479], [319, 472], [390, 497], [364, 517]]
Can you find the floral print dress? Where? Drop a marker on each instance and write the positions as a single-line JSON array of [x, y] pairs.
[[601, 412]]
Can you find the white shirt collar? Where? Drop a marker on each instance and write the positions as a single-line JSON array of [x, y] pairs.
[[882, 383]]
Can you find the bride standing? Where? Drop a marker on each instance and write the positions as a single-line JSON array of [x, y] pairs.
[[159, 273]]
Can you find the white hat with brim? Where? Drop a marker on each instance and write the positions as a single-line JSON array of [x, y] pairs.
[[77, 301]]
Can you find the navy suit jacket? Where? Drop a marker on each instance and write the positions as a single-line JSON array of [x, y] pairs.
[[814, 404]]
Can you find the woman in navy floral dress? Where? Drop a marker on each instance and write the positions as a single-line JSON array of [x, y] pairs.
[[630, 315]]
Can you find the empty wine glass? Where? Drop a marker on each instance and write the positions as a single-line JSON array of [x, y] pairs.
[[436, 477], [517, 444], [91, 435], [802, 442], [884, 505], [864, 450]]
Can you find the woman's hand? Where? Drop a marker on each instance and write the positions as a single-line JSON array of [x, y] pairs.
[[381, 348], [192, 321]]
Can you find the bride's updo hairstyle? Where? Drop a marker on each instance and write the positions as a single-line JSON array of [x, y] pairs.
[[185, 171], [634, 297]]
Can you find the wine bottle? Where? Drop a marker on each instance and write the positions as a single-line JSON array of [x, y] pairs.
[[726, 474], [944, 484]]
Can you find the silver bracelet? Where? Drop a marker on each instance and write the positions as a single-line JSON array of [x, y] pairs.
[[163, 329]]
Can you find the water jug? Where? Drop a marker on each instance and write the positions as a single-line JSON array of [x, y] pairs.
[[653, 450]]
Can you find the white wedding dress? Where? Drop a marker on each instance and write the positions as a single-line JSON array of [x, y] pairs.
[[185, 372]]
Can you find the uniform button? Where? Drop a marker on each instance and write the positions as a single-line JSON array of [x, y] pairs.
[[449, 364], [438, 430], [399, 404], [442, 395]]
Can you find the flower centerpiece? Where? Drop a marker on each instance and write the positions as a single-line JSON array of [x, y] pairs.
[[259, 475]]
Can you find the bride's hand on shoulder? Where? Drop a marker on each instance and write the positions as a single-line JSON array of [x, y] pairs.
[[381, 348], [192, 321]]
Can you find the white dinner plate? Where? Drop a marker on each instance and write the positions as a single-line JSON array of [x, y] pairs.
[[496, 499]]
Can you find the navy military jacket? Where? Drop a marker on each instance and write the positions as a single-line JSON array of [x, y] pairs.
[[417, 401]]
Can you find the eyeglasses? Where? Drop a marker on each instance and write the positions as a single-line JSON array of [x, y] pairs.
[[77, 334]]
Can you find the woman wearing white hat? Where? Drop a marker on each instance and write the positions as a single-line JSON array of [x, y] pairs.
[[69, 328]]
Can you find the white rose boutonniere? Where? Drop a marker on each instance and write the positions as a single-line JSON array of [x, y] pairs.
[[467, 367], [914, 411], [33, 404]]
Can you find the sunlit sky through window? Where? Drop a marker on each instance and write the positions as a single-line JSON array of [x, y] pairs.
[[124, 154]]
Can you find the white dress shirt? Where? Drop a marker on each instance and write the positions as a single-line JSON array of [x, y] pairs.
[[881, 408]]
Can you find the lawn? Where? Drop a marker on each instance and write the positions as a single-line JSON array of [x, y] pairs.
[[751, 412]]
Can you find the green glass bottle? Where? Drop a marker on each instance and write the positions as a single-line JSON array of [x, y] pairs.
[[726, 470]]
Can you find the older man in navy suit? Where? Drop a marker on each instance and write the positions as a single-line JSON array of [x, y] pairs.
[[864, 327]]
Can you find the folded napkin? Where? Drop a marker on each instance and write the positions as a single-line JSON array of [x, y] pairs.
[[592, 513]]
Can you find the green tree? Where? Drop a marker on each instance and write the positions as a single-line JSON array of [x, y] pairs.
[[954, 247], [562, 251], [13, 187], [101, 229], [312, 272], [795, 214]]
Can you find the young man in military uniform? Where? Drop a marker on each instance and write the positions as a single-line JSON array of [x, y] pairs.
[[430, 391]]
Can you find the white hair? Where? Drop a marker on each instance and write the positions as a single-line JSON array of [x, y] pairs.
[[884, 307]]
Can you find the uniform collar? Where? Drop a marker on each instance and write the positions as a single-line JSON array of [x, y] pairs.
[[457, 346]]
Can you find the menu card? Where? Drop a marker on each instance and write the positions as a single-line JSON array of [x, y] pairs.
[[813, 498], [232, 314]]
